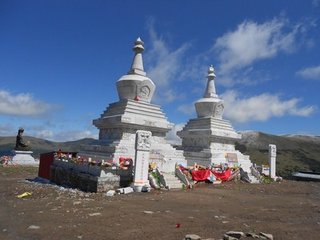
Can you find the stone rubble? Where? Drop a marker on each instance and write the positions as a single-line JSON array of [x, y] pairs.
[[33, 227], [94, 214], [266, 235], [234, 235], [148, 212]]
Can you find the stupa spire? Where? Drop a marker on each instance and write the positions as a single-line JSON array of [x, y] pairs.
[[137, 63], [210, 91], [210, 105]]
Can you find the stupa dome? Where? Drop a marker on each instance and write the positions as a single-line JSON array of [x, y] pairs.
[[136, 85], [210, 105]]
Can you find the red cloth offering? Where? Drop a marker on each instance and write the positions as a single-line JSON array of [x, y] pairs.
[[223, 176], [201, 175]]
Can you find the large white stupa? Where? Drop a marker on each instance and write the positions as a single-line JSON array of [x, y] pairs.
[[119, 122]]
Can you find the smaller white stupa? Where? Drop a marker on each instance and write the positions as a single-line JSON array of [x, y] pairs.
[[210, 139]]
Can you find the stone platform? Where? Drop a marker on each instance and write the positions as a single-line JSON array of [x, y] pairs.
[[24, 158], [89, 178]]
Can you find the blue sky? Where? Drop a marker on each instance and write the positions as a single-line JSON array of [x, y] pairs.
[[60, 60]]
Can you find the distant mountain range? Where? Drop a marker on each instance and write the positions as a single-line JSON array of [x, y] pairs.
[[294, 152], [39, 145]]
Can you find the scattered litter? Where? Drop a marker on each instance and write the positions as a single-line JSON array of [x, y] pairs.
[[178, 225], [6, 160], [146, 189], [4, 230], [224, 222], [33, 227], [125, 190], [148, 212], [94, 214], [76, 202], [25, 194], [41, 180], [110, 193]]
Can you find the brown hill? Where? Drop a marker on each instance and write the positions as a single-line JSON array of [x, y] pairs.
[[41, 145]]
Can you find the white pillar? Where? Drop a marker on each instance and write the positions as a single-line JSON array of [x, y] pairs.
[[272, 160], [141, 167]]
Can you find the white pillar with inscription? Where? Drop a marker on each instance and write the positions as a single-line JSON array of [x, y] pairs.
[[272, 160], [141, 167]]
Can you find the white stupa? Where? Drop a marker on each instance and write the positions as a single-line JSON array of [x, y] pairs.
[[119, 122], [210, 139]]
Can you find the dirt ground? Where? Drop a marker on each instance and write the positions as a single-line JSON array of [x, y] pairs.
[[287, 210]]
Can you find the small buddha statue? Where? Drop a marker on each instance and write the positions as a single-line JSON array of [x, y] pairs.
[[20, 144]]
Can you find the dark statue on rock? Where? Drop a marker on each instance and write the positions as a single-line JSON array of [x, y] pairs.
[[20, 144]]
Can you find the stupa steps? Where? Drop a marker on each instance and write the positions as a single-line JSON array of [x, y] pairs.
[[171, 181], [175, 185], [209, 123], [132, 111], [136, 109], [209, 128]]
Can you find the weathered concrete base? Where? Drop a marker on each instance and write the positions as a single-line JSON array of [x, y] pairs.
[[24, 158], [89, 178]]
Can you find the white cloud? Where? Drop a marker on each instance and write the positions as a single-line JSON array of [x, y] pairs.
[[22, 104], [73, 135], [65, 135], [261, 107], [316, 3], [310, 73], [187, 109], [251, 42], [172, 137], [44, 134], [6, 129], [163, 66]]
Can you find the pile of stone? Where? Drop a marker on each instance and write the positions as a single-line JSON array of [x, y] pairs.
[[234, 235]]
